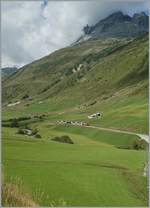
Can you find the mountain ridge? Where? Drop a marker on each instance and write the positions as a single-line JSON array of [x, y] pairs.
[[117, 25]]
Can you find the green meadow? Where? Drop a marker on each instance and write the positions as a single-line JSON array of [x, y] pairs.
[[90, 172]]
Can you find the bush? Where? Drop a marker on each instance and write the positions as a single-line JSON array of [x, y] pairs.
[[63, 139], [34, 131], [25, 96], [24, 118], [14, 123], [38, 136], [139, 144], [21, 131], [18, 119]]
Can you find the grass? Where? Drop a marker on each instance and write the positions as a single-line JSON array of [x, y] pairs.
[[65, 172], [12, 195], [100, 136], [119, 112], [125, 113], [98, 77]]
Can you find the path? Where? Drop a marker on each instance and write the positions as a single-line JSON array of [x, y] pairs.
[[142, 136]]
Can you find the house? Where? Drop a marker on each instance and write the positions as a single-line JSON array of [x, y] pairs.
[[84, 124], [26, 132], [95, 115], [68, 122]]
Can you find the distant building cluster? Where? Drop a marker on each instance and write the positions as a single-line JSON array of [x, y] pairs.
[[75, 123], [95, 115]]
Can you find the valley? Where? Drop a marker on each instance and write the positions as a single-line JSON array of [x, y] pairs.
[[101, 163]]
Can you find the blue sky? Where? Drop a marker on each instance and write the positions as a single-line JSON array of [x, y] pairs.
[[33, 29]]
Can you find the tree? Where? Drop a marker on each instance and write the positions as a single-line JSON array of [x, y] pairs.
[[14, 123]]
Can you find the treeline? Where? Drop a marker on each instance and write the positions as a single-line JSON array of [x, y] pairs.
[[21, 121]]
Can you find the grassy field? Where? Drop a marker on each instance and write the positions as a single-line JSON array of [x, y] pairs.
[[90, 172], [101, 168], [119, 112]]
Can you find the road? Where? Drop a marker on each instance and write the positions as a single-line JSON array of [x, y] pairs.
[[142, 136]]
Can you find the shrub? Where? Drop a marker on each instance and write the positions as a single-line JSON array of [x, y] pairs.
[[38, 136], [24, 118], [34, 131], [25, 96], [21, 131], [63, 139], [139, 144], [14, 123]]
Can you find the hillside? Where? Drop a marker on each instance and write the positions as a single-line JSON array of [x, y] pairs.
[[8, 71], [104, 72], [50, 72], [71, 67]]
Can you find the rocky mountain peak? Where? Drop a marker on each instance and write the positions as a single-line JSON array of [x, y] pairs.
[[116, 25], [118, 17], [140, 19]]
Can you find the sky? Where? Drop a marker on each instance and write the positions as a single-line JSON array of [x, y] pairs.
[[34, 29]]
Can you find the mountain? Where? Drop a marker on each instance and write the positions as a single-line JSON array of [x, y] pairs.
[[117, 25], [8, 71], [108, 74], [71, 67]]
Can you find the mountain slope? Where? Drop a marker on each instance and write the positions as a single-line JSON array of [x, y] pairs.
[[77, 66], [67, 67], [8, 71], [106, 75]]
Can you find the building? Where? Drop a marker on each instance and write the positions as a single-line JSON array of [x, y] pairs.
[[95, 115]]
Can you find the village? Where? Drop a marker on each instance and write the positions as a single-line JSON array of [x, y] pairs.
[[79, 123], [75, 123]]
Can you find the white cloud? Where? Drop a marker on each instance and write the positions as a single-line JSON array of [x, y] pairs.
[[32, 29]]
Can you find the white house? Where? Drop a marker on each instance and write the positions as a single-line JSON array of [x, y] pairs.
[[95, 115]]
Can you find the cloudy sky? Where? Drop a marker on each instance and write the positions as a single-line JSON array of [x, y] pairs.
[[33, 29]]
